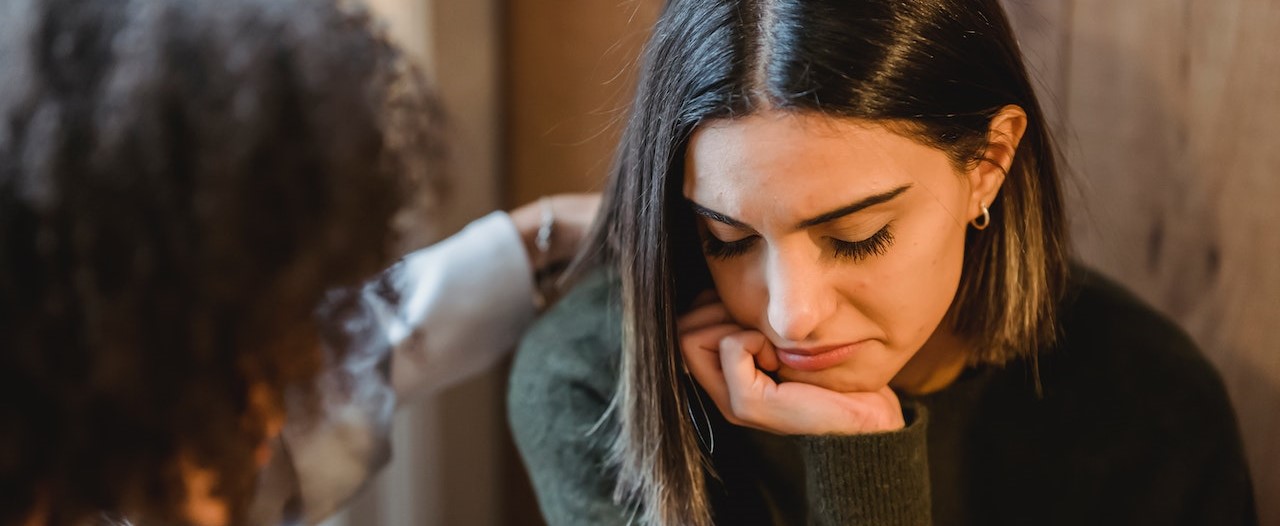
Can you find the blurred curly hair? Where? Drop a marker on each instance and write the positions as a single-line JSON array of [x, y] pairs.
[[180, 181]]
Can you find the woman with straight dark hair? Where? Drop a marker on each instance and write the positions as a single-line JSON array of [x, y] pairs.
[[832, 286]]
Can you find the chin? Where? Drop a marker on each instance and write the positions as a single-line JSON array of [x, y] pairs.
[[838, 381]]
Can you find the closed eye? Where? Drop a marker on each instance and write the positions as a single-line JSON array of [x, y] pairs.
[[718, 249], [876, 245]]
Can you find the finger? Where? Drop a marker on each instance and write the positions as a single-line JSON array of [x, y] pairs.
[[707, 340], [763, 351], [575, 211], [701, 353], [767, 357], [702, 317], [706, 297], [747, 385]]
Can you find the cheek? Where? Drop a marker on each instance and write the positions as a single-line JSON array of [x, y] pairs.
[[740, 289], [910, 289]]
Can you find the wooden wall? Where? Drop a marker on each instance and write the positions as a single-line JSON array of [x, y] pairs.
[[569, 79], [1166, 111]]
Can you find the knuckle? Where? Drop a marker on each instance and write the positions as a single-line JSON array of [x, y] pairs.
[[731, 343]]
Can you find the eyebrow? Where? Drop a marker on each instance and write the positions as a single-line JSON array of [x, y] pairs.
[[827, 217]]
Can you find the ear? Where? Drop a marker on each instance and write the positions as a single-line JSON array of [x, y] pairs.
[[986, 177]]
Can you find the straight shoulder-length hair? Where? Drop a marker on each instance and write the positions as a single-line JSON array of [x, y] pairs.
[[936, 71]]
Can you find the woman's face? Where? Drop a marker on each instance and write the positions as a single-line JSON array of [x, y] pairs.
[[838, 239]]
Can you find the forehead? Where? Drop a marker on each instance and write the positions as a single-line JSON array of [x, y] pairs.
[[823, 159]]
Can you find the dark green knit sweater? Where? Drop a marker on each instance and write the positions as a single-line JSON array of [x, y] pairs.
[[1133, 427]]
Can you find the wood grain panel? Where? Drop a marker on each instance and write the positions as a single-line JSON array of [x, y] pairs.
[[1232, 110], [1167, 111], [569, 70], [1042, 28]]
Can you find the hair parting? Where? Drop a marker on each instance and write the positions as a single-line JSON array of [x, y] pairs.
[[936, 71]]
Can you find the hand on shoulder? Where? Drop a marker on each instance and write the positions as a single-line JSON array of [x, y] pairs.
[[562, 220]]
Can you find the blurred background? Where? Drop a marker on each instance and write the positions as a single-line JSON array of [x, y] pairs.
[[1165, 111]]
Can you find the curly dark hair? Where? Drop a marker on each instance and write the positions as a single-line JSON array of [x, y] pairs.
[[180, 182]]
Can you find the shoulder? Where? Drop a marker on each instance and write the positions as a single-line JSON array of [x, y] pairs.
[[579, 334], [1136, 359], [559, 400], [590, 310], [573, 350], [1130, 402], [1111, 327]]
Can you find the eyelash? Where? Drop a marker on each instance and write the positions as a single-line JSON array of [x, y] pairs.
[[726, 249], [876, 245]]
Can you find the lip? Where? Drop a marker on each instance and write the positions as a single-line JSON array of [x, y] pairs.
[[817, 358]]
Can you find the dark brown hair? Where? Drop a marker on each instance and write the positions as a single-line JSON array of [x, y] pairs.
[[936, 70], [180, 182]]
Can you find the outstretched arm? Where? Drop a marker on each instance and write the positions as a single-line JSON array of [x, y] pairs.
[[442, 314]]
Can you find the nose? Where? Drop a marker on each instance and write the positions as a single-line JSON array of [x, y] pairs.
[[798, 299]]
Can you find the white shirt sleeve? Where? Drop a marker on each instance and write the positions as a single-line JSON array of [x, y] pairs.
[[465, 303], [440, 315]]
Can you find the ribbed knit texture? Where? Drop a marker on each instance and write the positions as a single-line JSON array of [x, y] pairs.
[[880, 478]]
